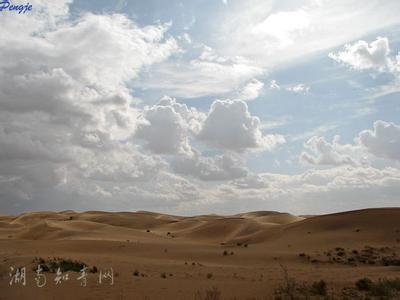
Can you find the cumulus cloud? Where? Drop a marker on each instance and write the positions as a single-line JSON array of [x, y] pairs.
[[313, 191], [363, 55], [383, 140], [67, 111], [251, 181], [220, 167], [325, 153], [73, 136], [229, 125], [251, 90], [165, 127]]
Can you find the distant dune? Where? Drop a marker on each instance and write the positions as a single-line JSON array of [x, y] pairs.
[[120, 226], [258, 226], [242, 252]]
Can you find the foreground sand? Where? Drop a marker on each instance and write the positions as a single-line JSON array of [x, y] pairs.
[[189, 252]]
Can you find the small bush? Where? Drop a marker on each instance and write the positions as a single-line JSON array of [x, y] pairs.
[[225, 253], [340, 253], [209, 275], [289, 286], [70, 265], [93, 269], [212, 294], [384, 288], [390, 261], [65, 265], [319, 288], [136, 273], [163, 275], [364, 284]]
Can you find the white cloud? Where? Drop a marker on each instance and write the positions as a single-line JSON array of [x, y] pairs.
[[252, 181], [165, 127], [313, 191], [325, 153], [271, 34], [209, 74], [70, 127], [229, 125], [67, 111], [282, 26], [251, 90], [221, 167], [363, 56], [273, 85], [383, 141], [375, 56], [298, 88]]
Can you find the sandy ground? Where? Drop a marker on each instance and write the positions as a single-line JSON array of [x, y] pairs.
[[181, 257]]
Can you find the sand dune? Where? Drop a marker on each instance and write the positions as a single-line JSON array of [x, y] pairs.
[[253, 226], [240, 251]]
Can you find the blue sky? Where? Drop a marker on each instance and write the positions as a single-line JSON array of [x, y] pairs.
[[201, 106]]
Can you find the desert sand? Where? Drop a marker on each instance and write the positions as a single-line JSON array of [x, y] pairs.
[[158, 256]]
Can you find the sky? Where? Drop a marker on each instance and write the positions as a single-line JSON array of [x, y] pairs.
[[198, 107]]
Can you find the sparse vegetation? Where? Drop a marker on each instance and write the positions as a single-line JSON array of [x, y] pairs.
[[319, 288], [364, 284], [65, 265], [384, 256], [210, 294], [288, 288], [383, 288], [239, 244], [291, 289]]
